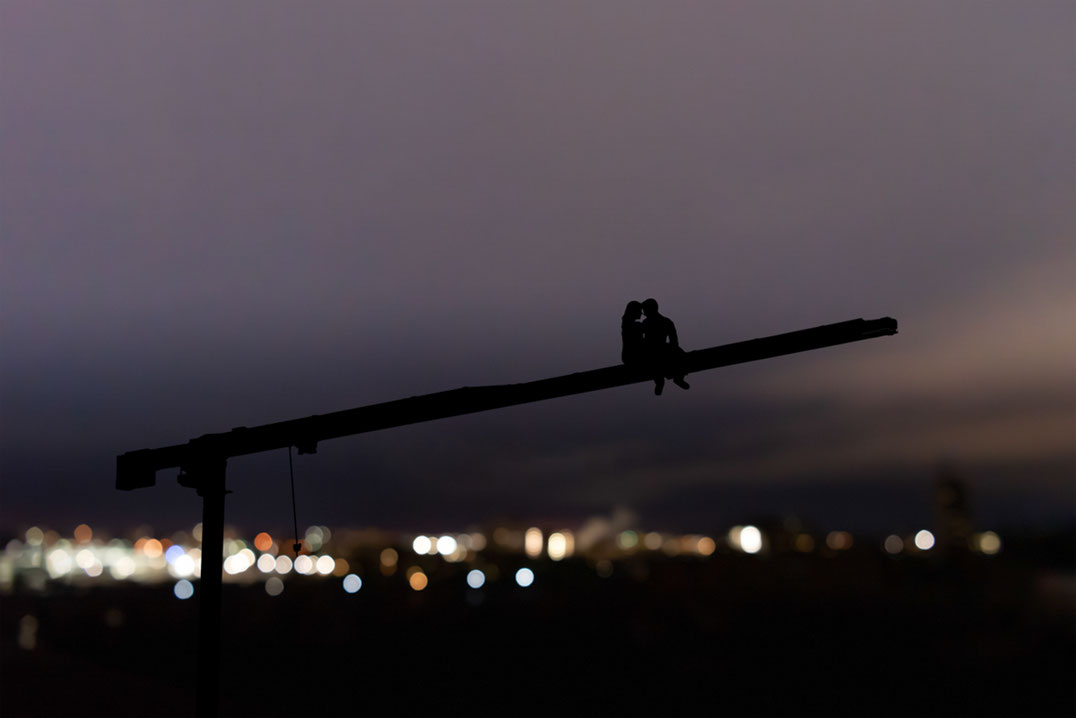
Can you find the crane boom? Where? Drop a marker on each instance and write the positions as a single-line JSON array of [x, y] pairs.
[[137, 469]]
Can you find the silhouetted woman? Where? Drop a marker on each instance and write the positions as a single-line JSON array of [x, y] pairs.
[[631, 332]]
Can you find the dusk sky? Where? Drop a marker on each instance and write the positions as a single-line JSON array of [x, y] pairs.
[[228, 214]]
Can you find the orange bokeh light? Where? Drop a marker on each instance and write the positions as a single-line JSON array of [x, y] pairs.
[[152, 548], [83, 533], [263, 541], [418, 580]]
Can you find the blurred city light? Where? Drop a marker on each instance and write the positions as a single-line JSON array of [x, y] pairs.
[[352, 583], [263, 541], [524, 577], [83, 533], [85, 558], [475, 578], [183, 566], [705, 546], [893, 544], [839, 540], [558, 546], [152, 548], [989, 543], [274, 586], [417, 579], [284, 564], [627, 540], [804, 543], [315, 537], [652, 540], [304, 565], [446, 545], [183, 589], [750, 539], [123, 569], [532, 542], [325, 565], [266, 563], [421, 545], [924, 540]]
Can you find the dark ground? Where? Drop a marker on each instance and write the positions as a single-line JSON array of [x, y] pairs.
[[854, 634]]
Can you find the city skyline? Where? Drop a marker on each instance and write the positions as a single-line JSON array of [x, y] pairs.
[[229, 217]]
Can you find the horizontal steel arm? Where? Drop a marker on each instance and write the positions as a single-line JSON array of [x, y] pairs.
[[137, 469]]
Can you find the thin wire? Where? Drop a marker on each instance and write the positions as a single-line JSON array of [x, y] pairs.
[[294, 521]]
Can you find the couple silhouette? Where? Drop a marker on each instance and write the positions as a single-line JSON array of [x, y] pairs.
[[652, 344]]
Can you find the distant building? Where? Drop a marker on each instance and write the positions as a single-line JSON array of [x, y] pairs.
[[952, 512]]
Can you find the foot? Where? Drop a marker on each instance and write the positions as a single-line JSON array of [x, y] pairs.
[[681, 383]]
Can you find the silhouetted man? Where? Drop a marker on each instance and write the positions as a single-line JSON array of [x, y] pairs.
[[662, 347]]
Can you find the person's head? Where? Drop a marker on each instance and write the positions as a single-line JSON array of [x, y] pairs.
[[650, 307], [633, 311]]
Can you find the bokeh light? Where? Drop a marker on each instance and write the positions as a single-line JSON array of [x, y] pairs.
[[263, 541], [804, 543], [558, 546], [283, 564], [352, 583], [85, 558], [839, 540], [524, 577], [266, 563], [183, 566], [152, 548], [421, 545], [324, 565], [59, 563], [532, 542], [389, 557], [475, 578], [183, 589], [989, 543], [315, 537], [924, 540], [34, 536], [173, 553], [893, 544], [750, 539], [304, 565], [706, 546], [418, 580], [446, 545], [274, 586], [83, 533]]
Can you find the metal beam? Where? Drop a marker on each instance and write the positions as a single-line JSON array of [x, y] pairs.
[[137, 469]]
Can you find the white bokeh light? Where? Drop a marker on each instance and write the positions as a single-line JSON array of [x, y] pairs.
[[421, 545], [352, 583], [524, 577], [475, 578], [750, 539], [924, 540], [446, 545]]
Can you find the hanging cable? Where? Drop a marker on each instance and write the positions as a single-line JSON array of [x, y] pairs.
[[294, 521]]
